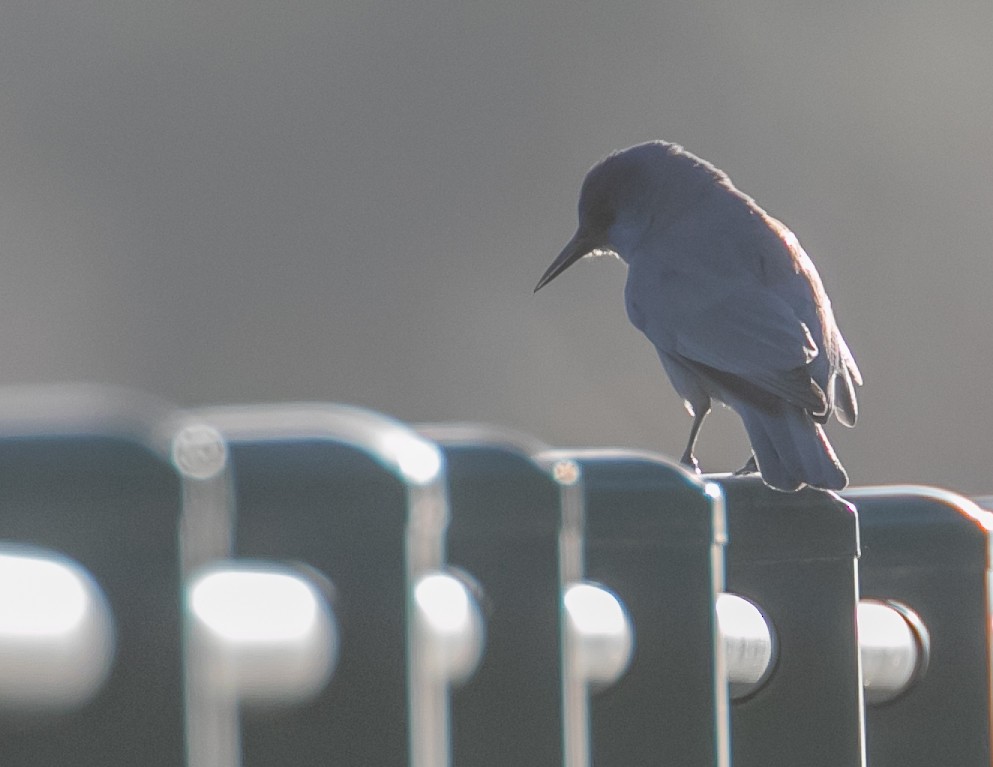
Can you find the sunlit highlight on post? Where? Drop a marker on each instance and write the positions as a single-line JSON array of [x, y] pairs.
[[603, 637], [268, 632], [451, 626], [56, 631]]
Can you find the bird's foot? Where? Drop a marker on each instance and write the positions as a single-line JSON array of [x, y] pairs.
[[690, 462], [750, 467]]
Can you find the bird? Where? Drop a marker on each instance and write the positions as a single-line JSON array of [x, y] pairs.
[[733, 305]]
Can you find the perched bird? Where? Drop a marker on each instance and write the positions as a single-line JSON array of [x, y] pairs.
[[731, 302]]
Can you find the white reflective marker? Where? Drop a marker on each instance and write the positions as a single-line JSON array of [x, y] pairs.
[[266, 632], [451, 627], [600, 633], [893, 643], [56, 631], [748, 643]]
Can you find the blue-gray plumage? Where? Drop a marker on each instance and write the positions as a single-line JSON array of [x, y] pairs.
[[731, 302]]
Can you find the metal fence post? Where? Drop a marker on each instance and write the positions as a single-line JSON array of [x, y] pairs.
[[86, 474], [928, 552], [504, 533], [359, 500], [794, 555], [654, 536]]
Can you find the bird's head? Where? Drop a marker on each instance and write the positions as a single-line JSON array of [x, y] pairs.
[[625, 194]]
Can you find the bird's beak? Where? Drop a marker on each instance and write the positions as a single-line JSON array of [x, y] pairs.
[[580, 244]]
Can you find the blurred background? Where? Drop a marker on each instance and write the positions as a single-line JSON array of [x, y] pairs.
[[352, 201]]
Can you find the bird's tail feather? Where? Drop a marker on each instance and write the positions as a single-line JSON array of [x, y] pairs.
[[792, 450]]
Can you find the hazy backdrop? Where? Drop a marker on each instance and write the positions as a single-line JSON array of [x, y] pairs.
[[351, 200]]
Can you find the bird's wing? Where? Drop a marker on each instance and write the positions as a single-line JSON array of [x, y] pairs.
[[795, 277], [752, 342], [731, 293]]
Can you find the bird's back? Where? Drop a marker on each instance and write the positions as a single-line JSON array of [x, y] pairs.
[[727, 286]]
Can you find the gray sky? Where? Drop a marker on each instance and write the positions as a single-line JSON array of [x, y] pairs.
[[351, 201]]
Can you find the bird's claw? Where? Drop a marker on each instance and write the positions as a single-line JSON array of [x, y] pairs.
[[691, 463], [750, 467]]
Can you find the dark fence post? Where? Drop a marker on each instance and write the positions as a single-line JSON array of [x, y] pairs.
[[928, 550], [504, 533], [360, 500], [654, 536], [794, 555], [84, 473]]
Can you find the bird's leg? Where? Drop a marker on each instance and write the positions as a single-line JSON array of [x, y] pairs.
[[688, 459], [750, 467]]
